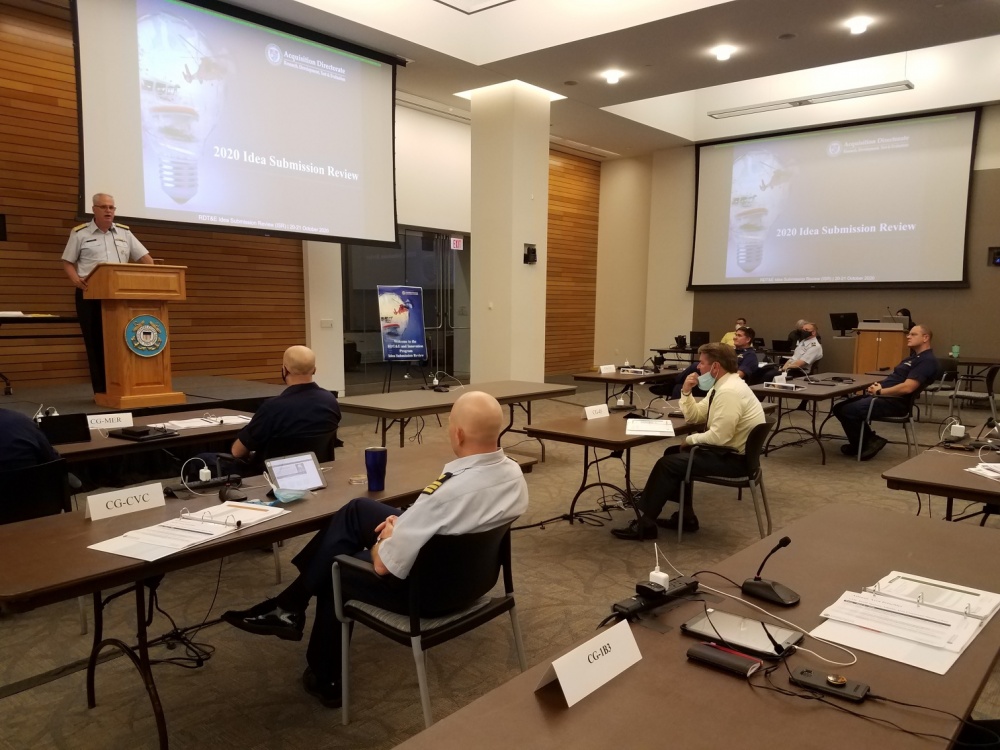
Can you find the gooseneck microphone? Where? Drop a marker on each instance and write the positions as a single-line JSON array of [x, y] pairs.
[[771, 591], [889, 310]]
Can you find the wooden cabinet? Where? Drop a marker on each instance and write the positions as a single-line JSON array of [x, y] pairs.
[[879, 349]]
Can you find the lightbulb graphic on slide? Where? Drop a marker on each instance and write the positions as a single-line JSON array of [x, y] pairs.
[[181, 93], [759, 191]]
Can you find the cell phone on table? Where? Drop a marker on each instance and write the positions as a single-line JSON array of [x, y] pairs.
[[745, 634]]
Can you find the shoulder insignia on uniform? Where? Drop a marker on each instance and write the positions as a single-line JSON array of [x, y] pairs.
[[78, 227], [121, 226], [433, 486]]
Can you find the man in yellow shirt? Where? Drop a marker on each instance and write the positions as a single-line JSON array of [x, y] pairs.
[[729, 412]]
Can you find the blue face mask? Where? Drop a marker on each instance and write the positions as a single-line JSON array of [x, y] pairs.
[[289, 496], [706, 381]]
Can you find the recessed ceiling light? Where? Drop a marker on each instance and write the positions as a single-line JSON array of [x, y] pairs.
[[612, 76], [723, 51], [858, 24]]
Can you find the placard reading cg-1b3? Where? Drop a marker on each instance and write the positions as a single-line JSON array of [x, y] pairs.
[[146, 335]]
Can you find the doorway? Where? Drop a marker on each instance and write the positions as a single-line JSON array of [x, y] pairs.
[[424, 258]]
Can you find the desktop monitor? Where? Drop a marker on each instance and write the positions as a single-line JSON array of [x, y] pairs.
[[843, 321], [698, 338]]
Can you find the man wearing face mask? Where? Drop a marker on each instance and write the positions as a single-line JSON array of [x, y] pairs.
[[302, 409], [729, 412], [807, 353]]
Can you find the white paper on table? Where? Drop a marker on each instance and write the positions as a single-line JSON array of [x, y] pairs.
[[990, 471], [903, 619], [935, 594], [131, 548], [936, 660], [655, 427], [179, 534], [196, 422]]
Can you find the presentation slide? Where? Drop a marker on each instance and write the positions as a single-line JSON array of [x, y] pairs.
[[868, 204], [198, 117]]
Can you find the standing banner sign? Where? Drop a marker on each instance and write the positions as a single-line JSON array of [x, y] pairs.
[[401, 314]]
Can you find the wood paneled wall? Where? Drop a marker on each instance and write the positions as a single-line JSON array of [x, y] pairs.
[[245, 294], [571, 288]]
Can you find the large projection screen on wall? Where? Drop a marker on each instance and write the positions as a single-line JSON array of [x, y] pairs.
[[881, 203], [193, 115]]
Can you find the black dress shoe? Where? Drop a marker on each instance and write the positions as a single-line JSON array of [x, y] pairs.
[[637, 530], [268, 619], [690, 522], [849, 450], [327, 693], [872, 448]]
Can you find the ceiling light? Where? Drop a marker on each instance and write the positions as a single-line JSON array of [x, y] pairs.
[[858, 24], [612, 76], [723, 51], [832, 96]]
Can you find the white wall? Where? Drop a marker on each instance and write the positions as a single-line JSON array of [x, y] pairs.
[[433, 171], [670, 308], [622, 260]]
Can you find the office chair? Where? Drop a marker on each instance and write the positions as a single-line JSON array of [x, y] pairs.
[[959, 394], [35, 491], [905, 420], [289, 445], [449, 573], [752, 480], [947, 382]]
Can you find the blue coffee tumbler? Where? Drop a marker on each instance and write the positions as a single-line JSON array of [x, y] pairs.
[[375, 463]]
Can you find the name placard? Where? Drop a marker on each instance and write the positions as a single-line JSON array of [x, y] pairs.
[[594, 663], [128, 500], [594, 412], [113, 421], [607, 369]]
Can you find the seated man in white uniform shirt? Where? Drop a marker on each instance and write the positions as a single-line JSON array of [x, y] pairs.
[[480, 490]]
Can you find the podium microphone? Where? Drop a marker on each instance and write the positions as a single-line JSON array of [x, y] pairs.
[[889, 310], [771, 591]]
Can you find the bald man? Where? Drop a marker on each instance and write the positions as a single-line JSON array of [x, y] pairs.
[[303, 409], [480, 490], [100, 240]]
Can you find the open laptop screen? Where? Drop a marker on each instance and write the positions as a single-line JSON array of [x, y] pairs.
[[299, 472]]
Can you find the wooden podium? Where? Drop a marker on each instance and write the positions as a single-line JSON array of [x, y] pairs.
[[134, 299], [879, 348]]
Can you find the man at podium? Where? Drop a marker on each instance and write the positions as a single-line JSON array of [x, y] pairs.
[[98, 241]]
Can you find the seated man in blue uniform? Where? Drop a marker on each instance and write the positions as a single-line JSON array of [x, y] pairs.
[[746, 359], [480, 490], [893, 396], [22, 444], [302, 409], [729, 413]]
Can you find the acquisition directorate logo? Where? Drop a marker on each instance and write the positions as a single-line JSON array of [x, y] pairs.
[[146, 335], [273, 52]]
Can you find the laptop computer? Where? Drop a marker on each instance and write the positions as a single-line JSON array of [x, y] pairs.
[[299, 472], [65, 428], [784, 346]]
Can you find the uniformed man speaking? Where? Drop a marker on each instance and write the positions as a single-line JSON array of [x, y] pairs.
[[98, 241]]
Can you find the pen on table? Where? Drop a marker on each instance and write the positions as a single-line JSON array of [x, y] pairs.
[[246, 507]]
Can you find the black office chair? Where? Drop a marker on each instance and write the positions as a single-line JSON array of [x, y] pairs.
[[752, 480], [36, 491], [449, 573], [947, 382], [322, 445]]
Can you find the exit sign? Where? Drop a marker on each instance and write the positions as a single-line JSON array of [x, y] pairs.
[[457, 243]]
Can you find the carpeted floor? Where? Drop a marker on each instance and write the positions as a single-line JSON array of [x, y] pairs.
[[248, 695]]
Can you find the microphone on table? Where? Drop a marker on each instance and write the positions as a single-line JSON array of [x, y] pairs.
[[771, 591], [889, 310]]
